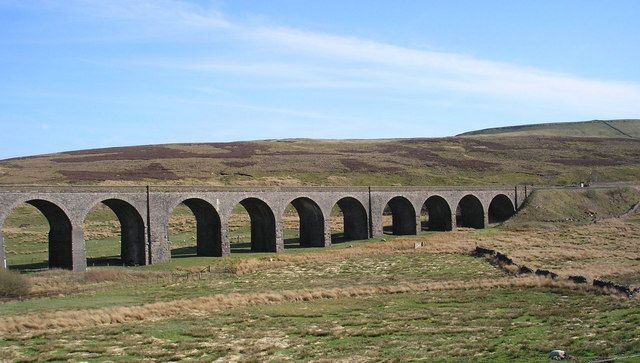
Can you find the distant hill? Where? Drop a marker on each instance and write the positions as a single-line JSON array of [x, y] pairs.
[[595, 128], [469, 160]]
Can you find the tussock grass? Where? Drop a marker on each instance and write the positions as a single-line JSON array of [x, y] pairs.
[[604, 249], [13, 284], [509, 324], [105, 275], [58, 281], [400, 245], [607, 249], [210, 304]]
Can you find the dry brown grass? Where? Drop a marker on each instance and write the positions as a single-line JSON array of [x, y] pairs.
[[603, 249], [13, 284], [202, 305], [105, 275], [399, 245], [607, 248], [57, 281], [97, 230], [12, 232], [182, 224]]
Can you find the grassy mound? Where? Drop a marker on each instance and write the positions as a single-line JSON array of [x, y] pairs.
[[549, 207]]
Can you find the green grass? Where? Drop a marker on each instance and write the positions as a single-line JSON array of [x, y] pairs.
[[139, 287], [611, 128], [453, 325], [472, 325]]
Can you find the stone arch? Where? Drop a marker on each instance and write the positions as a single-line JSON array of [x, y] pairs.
[[311, 222], [470, 212], [132, 231], [439, 213], [208, 227], [263, 225], [60, 235], [354, 216], [500, 209], [403, 216]]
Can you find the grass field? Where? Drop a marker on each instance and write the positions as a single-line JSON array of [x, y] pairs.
[[381, 299], [479, 325], [339, 304]]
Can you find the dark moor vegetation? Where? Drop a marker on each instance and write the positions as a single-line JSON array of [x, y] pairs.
[[524, 157]]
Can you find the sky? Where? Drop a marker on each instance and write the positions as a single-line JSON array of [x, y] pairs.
[[79, 74]]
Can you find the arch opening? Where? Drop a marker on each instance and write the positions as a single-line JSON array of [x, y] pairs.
[[195, 229], [262, 227], [348, 221], [470, 212], [437, 214], [38, 235], [500, 209], [307, 228], [403, 217], [109, 245]]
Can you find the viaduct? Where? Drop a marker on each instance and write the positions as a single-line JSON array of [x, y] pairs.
[[144, 212]]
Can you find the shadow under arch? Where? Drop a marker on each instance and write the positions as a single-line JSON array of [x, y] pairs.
[[208, 227], [470, 212], [263, 225], [403, 216], [60, 236], [500, 209], [354, 218], [311, 222], [132, 234], [439, 214]]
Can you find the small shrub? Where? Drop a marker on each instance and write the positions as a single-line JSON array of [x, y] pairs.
[[12, 284], [591, 194]]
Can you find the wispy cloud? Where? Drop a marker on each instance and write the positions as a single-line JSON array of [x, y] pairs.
[[402, 66], [296, 58]]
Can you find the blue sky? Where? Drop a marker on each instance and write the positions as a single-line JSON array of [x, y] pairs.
[[79, 74]]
